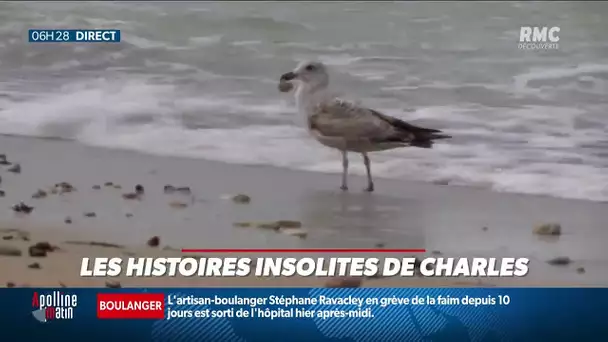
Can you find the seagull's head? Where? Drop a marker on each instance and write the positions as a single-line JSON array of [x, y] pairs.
[[313, 75]]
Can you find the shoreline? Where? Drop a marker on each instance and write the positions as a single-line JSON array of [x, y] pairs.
[[126, 152], [457, 221]]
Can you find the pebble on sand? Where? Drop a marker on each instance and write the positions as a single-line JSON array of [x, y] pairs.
[[113, 284], [580, 270], [96, 187], [345, 282], [62, 188], [16, 168], [37, 252], [552, 229], [68, 220], [242, 224], [441, 182], [117, 186], [108, 184], [35, 266], [139, 189], [485, 229], [241, 199], [183, 190], [291, 227], [289, 224], [269, 225], [39, 194], [130, 196], [169, 189], [128, 215], [298, 232], [178, 205], [22, 208], [90, 214], [560, 261], [10, 251], [154, 241], [46, 246], [66, 186], [2, 193], [94, 243], [8, 237], [3, 160]]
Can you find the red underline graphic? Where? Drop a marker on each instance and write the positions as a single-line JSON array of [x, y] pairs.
[[304, 250]]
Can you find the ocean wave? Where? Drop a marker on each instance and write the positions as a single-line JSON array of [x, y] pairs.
[[538, 76], [140, 116]]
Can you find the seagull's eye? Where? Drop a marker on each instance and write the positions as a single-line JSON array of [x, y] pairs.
[[310, 67]]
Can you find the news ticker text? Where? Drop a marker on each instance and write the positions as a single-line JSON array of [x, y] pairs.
[[176, 306]]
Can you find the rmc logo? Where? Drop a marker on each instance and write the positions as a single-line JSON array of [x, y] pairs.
[[538, 38]]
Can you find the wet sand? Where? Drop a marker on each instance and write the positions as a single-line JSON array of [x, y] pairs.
[[400, 214]]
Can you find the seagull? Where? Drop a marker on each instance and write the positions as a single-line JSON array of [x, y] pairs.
[[346, 126]]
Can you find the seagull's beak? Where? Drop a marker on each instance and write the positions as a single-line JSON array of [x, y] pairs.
[[288, 76], [285, 84]]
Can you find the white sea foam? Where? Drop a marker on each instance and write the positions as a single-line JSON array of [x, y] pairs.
[[93, 116]]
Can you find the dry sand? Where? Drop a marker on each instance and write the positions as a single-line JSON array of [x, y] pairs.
[[399, 214]]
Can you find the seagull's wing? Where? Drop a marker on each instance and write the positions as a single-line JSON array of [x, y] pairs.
[[338, 118]]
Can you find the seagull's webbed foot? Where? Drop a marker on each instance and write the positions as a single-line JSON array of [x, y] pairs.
[[370, 187], [343, 187]]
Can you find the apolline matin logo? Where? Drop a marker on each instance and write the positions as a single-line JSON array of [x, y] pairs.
[[53, 306], [538, 38]]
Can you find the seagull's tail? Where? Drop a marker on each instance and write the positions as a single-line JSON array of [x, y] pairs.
[[440, 136], [427, 140]]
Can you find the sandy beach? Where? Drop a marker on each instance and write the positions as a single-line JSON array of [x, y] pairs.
[[447, 220]]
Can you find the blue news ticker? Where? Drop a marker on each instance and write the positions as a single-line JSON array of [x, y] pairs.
[[218, 315], [73, 36]]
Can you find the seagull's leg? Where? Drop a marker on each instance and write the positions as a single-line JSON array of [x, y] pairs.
[[368, 168], [344, 170]]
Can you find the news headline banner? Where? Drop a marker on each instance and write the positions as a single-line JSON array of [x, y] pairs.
[[304, 266], [305, 314], [73, 36]]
